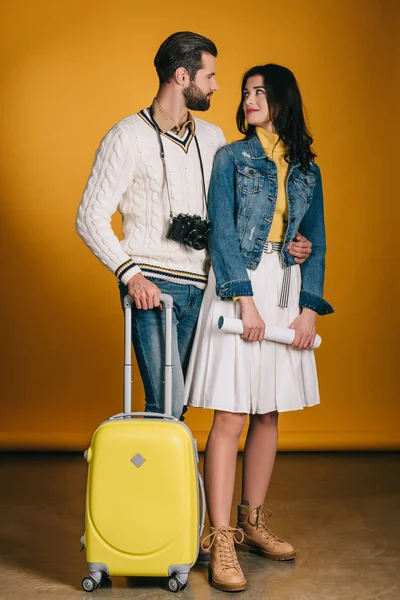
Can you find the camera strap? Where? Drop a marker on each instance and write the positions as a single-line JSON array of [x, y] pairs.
[[162, 156]]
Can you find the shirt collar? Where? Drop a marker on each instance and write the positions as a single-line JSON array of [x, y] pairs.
[[166, 123]]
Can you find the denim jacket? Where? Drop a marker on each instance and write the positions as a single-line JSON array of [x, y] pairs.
[[241, 206]]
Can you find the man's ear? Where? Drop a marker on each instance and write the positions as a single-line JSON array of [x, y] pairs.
[[181, 76]]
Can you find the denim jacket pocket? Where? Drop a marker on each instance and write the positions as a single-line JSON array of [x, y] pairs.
[[304, 184], [250, 180]]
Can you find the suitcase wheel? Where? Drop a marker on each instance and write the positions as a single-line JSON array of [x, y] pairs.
[[175, 584], [89, 584]]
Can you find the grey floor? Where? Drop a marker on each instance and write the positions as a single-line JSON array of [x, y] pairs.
[[340, 511]]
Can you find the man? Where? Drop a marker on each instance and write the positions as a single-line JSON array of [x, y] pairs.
[[152, 166]]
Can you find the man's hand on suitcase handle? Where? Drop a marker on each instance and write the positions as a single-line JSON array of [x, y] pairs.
[[144, 293]]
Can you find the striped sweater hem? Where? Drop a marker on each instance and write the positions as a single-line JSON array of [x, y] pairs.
[[184, 277]]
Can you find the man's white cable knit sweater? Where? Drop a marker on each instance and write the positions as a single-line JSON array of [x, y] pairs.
[[127, 176]]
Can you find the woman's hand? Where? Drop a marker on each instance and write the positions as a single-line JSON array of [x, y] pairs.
[[253, 325], [304, 326]]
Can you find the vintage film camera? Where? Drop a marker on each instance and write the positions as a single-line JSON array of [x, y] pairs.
[[190, 230]]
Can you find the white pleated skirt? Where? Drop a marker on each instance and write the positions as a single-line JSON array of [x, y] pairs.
[[231, 374]]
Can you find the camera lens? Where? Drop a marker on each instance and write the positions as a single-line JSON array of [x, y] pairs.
[[199, 243]]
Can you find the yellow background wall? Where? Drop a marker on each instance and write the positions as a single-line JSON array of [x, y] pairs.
[[70, 70]]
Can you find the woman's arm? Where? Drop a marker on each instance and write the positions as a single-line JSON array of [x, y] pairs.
[[228, 264], [312, 273], [313, 270]]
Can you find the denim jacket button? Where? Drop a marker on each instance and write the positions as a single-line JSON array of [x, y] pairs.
[[293, 219], [291, 197], [251, 172]]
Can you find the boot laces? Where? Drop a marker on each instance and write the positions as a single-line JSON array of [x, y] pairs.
[[258, 518], [227, 553]]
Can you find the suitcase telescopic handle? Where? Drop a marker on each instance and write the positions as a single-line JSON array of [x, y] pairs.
[[203, 504], [139, 415], [168, 302]]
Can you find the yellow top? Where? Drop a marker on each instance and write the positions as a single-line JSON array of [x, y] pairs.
[[275, 150]]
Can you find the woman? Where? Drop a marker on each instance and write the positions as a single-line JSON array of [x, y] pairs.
[[264, 190]]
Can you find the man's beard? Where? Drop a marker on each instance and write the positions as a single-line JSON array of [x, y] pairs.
[[195, 99]]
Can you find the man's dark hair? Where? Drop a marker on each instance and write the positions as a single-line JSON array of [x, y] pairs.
[[182, 49]]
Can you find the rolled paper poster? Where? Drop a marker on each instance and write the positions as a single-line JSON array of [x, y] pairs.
[[273, 333]]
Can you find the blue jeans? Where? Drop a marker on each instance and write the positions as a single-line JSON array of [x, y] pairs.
[[148, 335]]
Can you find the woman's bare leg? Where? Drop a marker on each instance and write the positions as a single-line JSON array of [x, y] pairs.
[[220, 465]]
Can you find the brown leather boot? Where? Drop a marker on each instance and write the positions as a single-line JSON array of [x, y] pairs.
[[224, 572], [258, 538]]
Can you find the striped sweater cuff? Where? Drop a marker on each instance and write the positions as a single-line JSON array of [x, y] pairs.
[[126, 271]]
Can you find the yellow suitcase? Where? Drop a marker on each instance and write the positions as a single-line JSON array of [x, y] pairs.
[[145, 498]]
